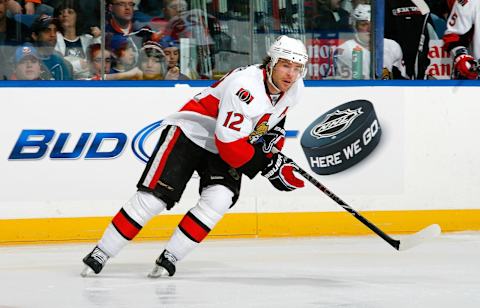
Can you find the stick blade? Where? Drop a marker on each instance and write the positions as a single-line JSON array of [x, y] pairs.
[[421, 236]]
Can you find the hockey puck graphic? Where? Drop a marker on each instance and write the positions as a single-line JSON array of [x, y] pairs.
[[341, 137]]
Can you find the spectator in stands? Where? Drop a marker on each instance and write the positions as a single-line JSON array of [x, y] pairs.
[[173, 8], [28, 65], [40, 7], [44, 33], [30, 6], [152, 61], [94, 56], [70, 45], [120, 22], [172, 53], [124, 52], [95, 60], [193, 25], [121, 16], [12, 34], [13, 7], [331, 17]]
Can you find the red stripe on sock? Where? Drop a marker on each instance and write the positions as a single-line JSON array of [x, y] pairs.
[[193, 229], [163, 161], [123, 225]]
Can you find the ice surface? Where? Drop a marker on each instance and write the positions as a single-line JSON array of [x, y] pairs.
[[295, 272]]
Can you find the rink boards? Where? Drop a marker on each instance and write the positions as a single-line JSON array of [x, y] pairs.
[[70, 156]]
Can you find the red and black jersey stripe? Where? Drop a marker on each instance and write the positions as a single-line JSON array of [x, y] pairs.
[[193, 228], [125, 225]]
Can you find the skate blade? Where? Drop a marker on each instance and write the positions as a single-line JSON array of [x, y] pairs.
[[87, 271], [158, 272]]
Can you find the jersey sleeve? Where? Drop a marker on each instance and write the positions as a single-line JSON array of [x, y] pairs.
[[459, 23], [235, 122]]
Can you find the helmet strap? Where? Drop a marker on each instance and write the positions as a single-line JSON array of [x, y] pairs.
[[270, 73]]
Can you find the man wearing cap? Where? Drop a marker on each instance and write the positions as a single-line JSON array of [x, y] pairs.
[[172, 54], [125, 53], [44, 34], [28, 65]]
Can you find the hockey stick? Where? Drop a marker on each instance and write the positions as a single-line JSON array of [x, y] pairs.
[[424, 9], [403, 244]]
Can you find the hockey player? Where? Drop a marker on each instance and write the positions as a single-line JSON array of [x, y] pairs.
[[393, 65], [217, 134], [460, 35]]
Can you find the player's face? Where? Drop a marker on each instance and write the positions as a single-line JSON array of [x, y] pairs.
[[68, 18], [285, 73], [363, 30], [28, 69], [151, 68], [363, 26], [172, 54], [122, 9]]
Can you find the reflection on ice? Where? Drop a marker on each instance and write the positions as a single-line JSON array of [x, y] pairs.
[[304, 272]]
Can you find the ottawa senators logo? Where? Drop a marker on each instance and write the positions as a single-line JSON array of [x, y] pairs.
[[244, 96], [260, 129]]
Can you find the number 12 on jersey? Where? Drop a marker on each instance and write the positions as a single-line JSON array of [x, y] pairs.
[[233, 120]]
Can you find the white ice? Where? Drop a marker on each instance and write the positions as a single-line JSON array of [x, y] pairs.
[[295, 272]]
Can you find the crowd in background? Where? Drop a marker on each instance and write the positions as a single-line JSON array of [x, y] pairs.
[[172, 39], [62, 40]]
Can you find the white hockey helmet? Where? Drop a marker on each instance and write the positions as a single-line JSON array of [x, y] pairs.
[[362, 12], [289, 49]]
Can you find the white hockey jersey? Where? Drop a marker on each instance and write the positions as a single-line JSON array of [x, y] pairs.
[[392, 56], [465, 16], [233, 113]]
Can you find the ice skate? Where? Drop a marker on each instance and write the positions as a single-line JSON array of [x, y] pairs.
[[164, 265], [94, 261]]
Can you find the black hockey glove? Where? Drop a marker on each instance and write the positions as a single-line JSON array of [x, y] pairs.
[[280, 173], [274, 138]]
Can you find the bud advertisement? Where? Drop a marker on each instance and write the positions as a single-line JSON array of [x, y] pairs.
[[382, 148]]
